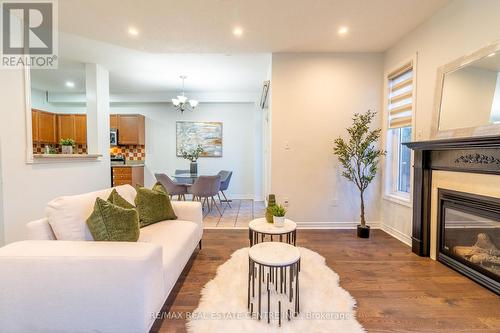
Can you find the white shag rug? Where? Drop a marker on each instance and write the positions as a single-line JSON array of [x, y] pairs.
[[324, 305]]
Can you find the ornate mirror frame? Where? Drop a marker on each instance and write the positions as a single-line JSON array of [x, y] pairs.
[[486, 130]]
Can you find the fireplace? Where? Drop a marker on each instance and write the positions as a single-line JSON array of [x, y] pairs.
[[469, 236], [466, 236]]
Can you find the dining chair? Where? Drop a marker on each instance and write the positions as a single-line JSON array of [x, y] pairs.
[[180, 190], [204, 189], [224, 185]]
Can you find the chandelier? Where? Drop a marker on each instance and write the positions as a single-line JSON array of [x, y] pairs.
[[181, 103]]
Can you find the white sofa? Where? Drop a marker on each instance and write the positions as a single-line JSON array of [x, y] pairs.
[[49, 285]]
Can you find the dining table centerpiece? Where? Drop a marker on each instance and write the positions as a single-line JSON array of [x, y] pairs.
[[193, 155]]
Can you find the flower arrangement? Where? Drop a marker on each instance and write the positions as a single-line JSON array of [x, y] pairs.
[[192, 154]]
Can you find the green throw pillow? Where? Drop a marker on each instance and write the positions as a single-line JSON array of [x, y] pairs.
[[153, 206], [116, 199], [160, 188], [109, 222]]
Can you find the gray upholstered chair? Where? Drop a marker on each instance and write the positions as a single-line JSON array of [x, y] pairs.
[[180, 171], [204, 189], [172, 188], [225, 177]]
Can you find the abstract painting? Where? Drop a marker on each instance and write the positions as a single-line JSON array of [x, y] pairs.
[[190, 134]]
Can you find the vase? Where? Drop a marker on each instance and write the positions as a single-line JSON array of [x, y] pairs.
[[67, 150], [279, 221], [193, 168], [271, 201]]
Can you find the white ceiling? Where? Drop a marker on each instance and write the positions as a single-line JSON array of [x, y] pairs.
[[138, 71], [194, 38], [192, 26]]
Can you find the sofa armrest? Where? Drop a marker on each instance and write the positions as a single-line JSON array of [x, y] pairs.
[[188, 211], [40, 230], [80, 286]]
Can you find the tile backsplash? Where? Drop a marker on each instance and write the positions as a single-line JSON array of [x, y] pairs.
[[39, 148], [131, 153]]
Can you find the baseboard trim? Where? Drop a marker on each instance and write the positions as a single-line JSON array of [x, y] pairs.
[[396, 234], [335, 225]]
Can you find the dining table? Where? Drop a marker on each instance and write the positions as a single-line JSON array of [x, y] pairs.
[[185, 178]]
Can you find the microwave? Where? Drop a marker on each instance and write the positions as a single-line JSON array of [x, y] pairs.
[[113, 137]]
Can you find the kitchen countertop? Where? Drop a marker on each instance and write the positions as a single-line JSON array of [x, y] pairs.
[[127, 165]]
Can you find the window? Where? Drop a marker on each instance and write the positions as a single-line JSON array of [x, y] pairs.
[[400, 110], [404, 160]]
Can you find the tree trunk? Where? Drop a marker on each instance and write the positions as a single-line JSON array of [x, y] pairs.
[[362, 215]]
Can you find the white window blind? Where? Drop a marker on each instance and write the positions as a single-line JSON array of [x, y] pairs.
[[400, 97]]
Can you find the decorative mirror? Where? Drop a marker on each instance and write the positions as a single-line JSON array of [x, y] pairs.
[[468, 96]]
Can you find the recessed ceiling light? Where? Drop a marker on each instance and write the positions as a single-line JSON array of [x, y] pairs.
[[238, 31], [343, 30], [133, 31], [70, 84], [491, 54]]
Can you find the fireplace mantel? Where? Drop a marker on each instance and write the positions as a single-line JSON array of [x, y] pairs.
[[474, 155]]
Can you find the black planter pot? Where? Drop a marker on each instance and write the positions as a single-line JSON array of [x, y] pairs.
[[363, 232]]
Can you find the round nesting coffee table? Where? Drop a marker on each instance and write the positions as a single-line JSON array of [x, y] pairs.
[[275, 267], [259, 229]]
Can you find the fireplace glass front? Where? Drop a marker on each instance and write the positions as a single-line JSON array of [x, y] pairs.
[[470, 236]]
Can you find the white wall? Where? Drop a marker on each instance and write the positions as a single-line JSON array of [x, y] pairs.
[[241, 143], [28, 187], [2, 236], [39, 101], [314, 98], [459, 28]]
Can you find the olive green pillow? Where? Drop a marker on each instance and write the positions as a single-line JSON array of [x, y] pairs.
[[160, 188], [116, 199], [109, 222], [153, 206]]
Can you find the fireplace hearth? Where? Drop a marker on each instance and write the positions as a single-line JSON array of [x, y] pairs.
[[469, 236]]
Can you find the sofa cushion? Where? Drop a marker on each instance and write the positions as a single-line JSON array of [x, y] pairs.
[[116, 199], [153, 206], [159, 187], [109, 222], [67, 215], [178, 239]]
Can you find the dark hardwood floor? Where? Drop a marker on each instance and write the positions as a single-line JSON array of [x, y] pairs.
[[396, 290]]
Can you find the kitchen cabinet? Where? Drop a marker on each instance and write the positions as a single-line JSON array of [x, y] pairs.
[[81, 129], [34, 126], [127, 175], [131, 129], [113, 121], [65, 126], [44, 127], [72, 126]]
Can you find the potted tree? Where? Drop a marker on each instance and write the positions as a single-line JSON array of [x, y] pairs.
[[193, 155], [359, 159], [67, 146]]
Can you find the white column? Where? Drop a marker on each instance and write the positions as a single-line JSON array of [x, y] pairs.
[[97, 83]]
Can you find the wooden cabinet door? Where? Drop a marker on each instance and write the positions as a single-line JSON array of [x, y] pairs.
[[141, 128], [47, 130], [128, 133], [65, 126], [81, 129], [113, 121], [34, 125]]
